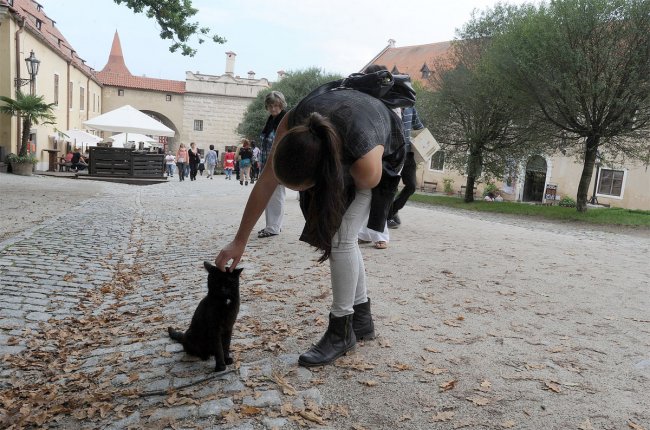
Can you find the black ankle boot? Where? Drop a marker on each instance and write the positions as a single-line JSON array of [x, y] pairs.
[[364, 328], [337, 340]]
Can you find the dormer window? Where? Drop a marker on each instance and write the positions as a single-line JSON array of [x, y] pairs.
[[10, 2], [426, 72], [39, 23], [39, 7]]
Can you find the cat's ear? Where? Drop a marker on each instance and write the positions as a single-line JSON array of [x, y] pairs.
[[237, 272], [210, 267]]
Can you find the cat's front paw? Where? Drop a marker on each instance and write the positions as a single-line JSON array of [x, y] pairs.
[[229, 360], [220, 367]]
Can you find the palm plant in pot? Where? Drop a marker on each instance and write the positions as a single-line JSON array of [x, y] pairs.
[[33, 110]]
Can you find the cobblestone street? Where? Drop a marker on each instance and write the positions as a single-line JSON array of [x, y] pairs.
[[532, 326]]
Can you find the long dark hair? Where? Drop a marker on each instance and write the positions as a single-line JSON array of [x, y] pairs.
[[308, 154]]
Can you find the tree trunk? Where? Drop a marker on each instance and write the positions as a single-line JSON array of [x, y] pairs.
[[27, 125], [474, 168], [587, 170]]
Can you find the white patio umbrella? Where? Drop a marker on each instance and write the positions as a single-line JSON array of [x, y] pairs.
[[120, 139], [128, 119], [80, 138]]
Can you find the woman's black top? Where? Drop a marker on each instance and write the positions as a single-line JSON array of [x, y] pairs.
[[363, 122]]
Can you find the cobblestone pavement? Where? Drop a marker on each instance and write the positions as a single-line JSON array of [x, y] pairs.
[[87, 293]]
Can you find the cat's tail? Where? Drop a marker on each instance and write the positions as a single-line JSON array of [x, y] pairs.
[[176, 335]]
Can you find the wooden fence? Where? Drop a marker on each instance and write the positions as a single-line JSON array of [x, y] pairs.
[[125, 162]]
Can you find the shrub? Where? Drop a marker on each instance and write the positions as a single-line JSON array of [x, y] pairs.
[[567, 202], [448, 185]]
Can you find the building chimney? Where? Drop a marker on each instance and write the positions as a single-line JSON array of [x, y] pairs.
[[391, 43], [281, 74], [230, 63], [251, 75]]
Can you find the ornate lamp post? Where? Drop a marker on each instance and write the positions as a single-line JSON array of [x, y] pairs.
[[32, 68]]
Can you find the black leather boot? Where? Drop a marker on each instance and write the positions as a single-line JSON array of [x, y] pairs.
[[364, 328], [337, 340]]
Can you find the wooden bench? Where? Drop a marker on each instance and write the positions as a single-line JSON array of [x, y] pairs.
[[433, 186], [463, 188]]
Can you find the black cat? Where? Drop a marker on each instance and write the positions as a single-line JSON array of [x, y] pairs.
[[210, 331]]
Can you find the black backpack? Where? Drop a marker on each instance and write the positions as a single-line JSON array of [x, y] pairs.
[[395, 91]]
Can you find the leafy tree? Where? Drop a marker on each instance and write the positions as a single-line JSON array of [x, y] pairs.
[[482, 125], [586, 65], [173, 17], [294, 86], [32, 109]]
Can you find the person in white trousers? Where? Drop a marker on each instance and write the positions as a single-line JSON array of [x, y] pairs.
[[276, 107]]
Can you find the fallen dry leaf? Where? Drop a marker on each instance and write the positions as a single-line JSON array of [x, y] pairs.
[[635, 426], [451, 323], [400, 366], [308, 415], [384, 343], [508, 424], [485, 385], [435, 370], [449, 385], [553, 386], [369, 383], [250, 410], [478, 400], [357, 426], [405, 418], [586, 425], [429, 349], [443, 416]]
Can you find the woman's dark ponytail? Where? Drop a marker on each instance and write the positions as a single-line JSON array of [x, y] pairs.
[[311, 153], [328, 193]]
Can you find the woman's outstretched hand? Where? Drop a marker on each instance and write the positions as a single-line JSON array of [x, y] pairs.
[[233, 251]]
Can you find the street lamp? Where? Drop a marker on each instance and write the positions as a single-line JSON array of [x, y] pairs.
[[32, 68], [594, 199]]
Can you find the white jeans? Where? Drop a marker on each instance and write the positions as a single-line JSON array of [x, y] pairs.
[[346, 263], [275, 210]]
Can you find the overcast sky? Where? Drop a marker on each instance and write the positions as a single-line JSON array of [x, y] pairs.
[[339, 36]]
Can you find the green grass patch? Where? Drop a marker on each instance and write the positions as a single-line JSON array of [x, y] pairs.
[[601, 216]]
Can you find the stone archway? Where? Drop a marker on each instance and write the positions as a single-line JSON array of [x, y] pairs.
[[171, 144], [535, 179]]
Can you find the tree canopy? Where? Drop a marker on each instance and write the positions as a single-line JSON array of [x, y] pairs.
[[586, 65], [294, 86], [482, 126], [174, 16]]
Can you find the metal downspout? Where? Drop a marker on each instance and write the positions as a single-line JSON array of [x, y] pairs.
[[21, 25]]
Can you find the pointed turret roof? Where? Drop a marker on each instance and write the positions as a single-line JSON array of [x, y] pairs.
[[115, 74], [116, 59]]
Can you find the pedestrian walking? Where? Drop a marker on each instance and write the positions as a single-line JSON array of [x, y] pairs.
[[211, 161], [195, 159], [245, 158], [182, 159], [229, 162], [170, 160]]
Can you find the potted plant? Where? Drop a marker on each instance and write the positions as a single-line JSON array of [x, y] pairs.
[[33, 110]]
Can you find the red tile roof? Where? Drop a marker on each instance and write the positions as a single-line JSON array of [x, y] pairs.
[[140, 82], [34, 17], [410, 60]]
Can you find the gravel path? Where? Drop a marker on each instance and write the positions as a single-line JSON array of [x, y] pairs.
[[484, 321]]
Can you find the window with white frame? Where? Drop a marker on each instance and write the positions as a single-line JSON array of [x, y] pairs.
[[198, 125], [610, 182], [437, 161], [82, 98]]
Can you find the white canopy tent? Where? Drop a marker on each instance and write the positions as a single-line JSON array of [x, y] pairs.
[[128, 119], [80, 139], [119, 140]]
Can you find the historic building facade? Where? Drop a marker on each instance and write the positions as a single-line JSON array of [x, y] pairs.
[[63, 77]]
